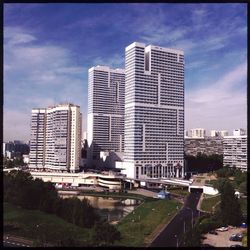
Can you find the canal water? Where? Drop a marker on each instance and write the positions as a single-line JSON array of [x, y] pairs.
[[113, 209]]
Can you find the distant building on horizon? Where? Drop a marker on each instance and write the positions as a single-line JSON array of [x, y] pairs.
[[14, 149], [105, 129], [239, 132], [198, 133], [154, 112], [215, 133], [55, 143]]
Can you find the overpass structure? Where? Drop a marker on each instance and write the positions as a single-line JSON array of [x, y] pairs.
[[160, 181]]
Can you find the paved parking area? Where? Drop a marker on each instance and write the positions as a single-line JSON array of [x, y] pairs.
[[222, 239]]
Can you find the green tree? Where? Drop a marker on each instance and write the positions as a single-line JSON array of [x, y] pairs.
[[229, 207], [243, 187], [105, 234]]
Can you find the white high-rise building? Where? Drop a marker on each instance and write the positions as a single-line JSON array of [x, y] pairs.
[[221, 133], [239, 131], [56, 138], [235, 151], [105, 129], [198, 133], [154, 112]]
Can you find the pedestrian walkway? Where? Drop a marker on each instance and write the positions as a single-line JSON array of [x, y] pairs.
[[17, 241]]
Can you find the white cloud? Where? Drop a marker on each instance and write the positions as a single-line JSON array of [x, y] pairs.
[[15, 36], [37, 75], [114, 61], [220, 105]]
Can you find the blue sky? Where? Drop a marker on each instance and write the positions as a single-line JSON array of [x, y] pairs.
[[48, 49]]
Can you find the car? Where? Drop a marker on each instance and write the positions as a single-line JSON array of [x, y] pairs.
[[222, 229], [213, 232], [239, 236], [236, 237]]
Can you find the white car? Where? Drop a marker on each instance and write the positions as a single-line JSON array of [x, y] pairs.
[[222, 229]]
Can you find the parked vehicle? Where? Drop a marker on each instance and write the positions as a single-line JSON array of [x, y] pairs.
[[236, 237], [222, 229]]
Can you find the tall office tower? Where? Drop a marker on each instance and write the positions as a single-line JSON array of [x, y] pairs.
[[154, 112], [37, 138], [235, 151], [59, 138], [105, 130], [198, 132]]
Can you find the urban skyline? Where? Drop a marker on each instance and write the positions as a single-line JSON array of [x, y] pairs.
[[44, 65]]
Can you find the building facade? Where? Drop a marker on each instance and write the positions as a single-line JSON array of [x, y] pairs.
[[55, 143], [235, 151], [154, 112], [105, 129], [198, 133]]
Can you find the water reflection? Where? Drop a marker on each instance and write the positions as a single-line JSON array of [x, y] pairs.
[[113, 209]]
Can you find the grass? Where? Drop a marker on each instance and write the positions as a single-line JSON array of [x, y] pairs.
[[210, 182], [208, 202], [137, 228], [182, 192], [51, 228], [140, 227], [244, 239]]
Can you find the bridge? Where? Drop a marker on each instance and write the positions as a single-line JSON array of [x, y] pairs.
[[163, 181]]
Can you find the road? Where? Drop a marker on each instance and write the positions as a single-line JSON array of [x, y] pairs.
[[13, 241], [173, 232]]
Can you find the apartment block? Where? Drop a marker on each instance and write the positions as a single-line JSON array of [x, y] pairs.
[[55, 143]]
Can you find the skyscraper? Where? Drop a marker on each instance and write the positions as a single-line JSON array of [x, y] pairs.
[[154, 112], [105, 130], [56, 138]]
